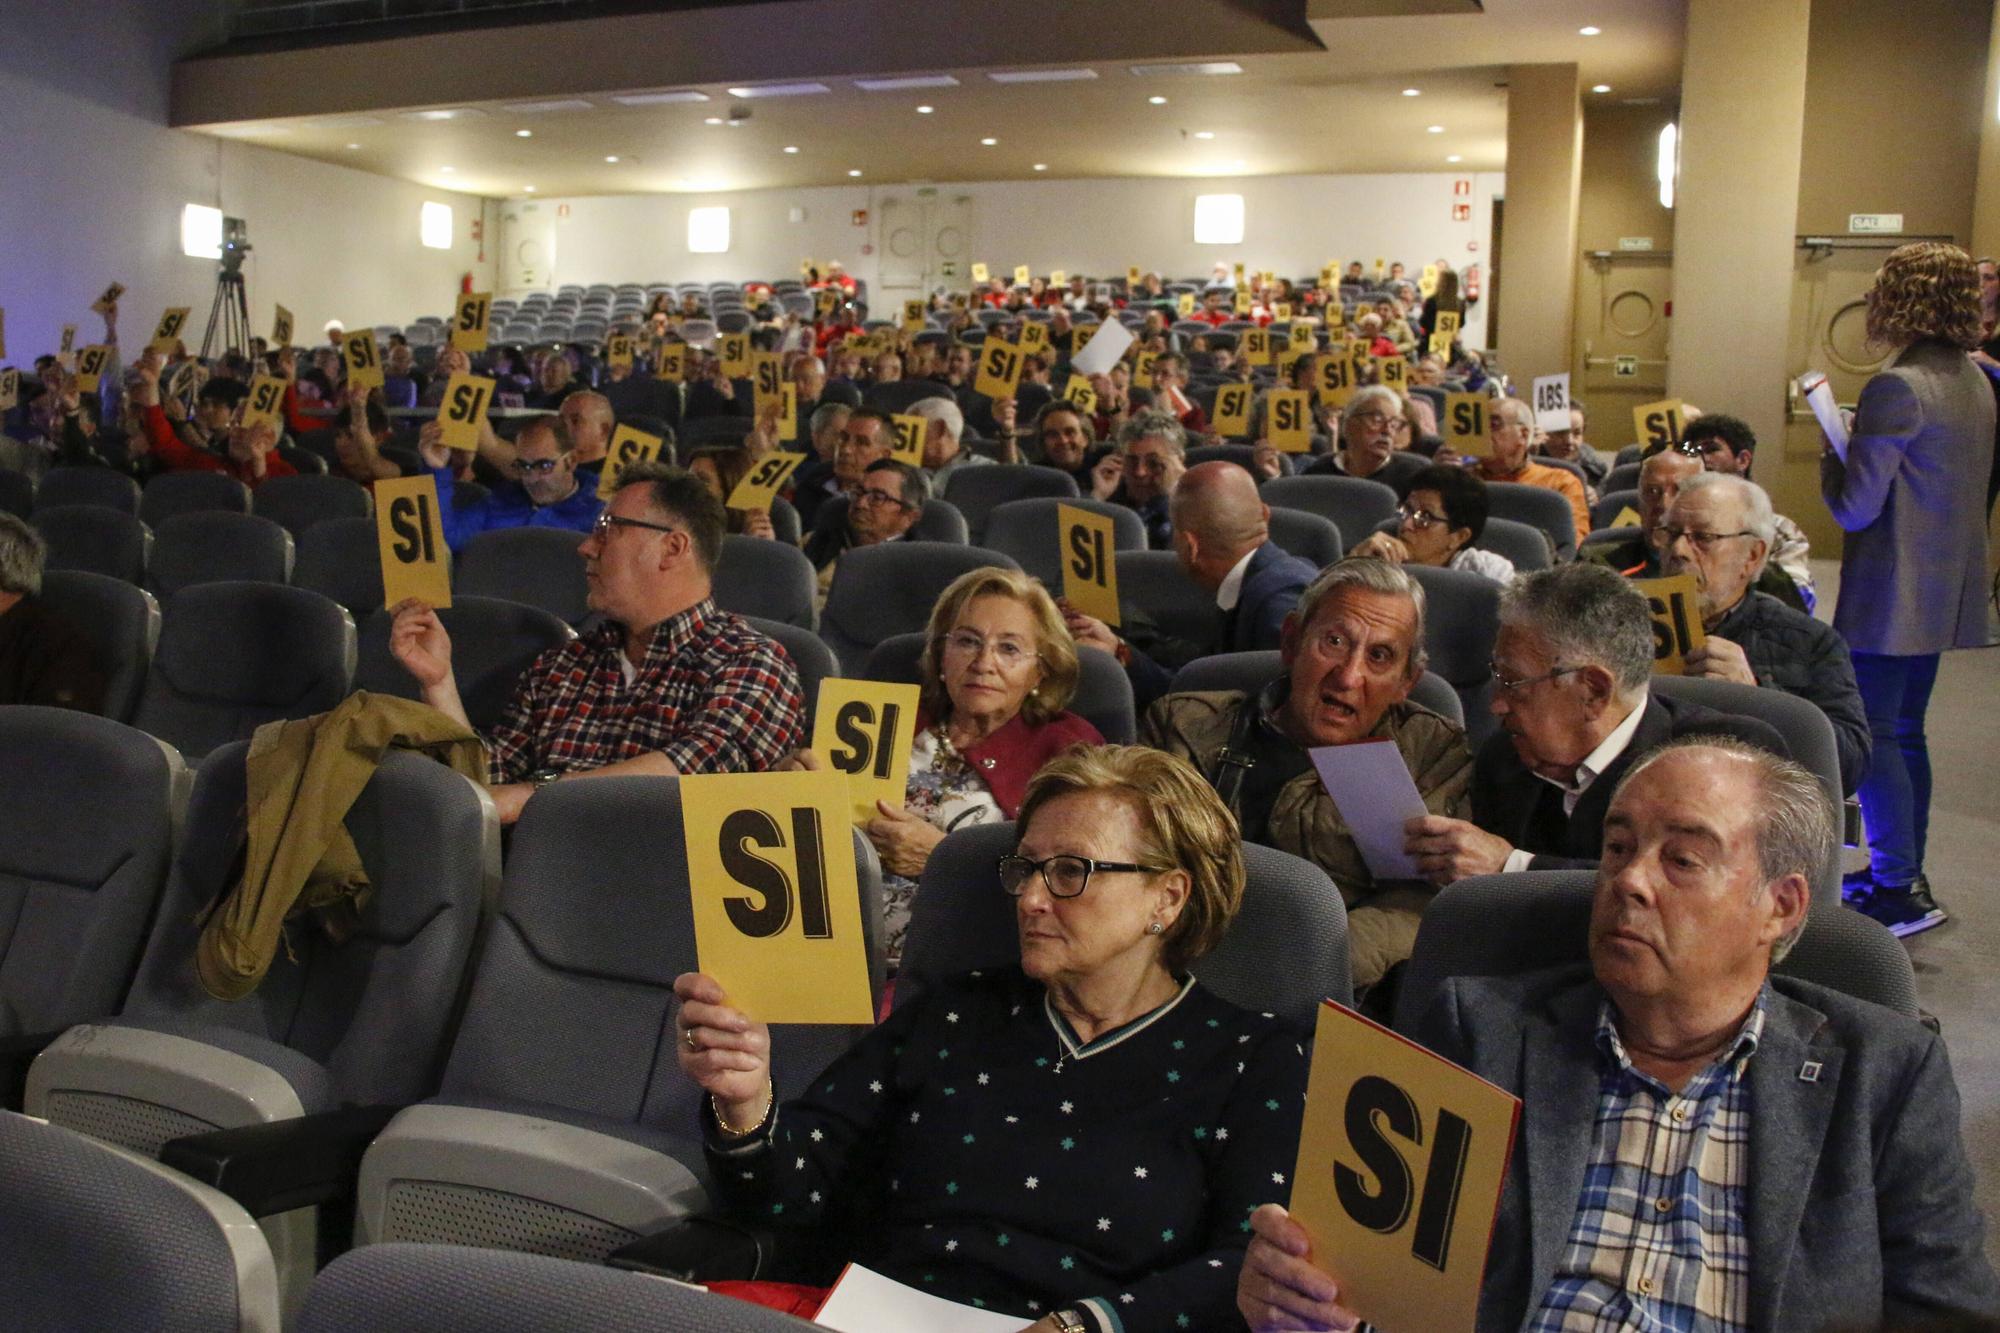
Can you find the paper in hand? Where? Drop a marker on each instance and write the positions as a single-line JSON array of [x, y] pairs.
[[1819, 397], [864, 1301], [1104, 350], [1372, 788]]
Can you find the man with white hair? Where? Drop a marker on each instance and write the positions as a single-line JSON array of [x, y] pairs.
[[943, 454], [1510, 429], [1719, 529]]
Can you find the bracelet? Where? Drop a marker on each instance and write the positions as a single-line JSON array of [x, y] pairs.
[[722, 1123]]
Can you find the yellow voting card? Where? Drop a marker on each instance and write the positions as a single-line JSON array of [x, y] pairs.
[[463, 410], [999, 369], [90, 364], [1675, 604], [264, 401], [1464, 424], [364, 360], [734, 349], [468, 323], [777, 907], [1078, 394], [863, 730], [1089, 561], [910, 432], [168, 331], [1232, 411], [1658, 425], [628, 445], [766, 477], [281, 328], [1290, 420], [410, 534]]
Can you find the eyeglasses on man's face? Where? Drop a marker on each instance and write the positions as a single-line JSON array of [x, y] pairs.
[[536, 467], [1701, 541], [607, 520], [868, 495], [1419, 518], [1514, 685], [1379, 421], [1065, 876]]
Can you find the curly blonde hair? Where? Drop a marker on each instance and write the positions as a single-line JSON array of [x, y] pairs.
[[1053, 645], [1927, 289]]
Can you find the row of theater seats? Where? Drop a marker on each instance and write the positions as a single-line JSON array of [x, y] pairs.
[[485, 1060]]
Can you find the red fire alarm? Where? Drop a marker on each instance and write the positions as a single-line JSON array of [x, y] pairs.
[[860, 217], [1461, 212]]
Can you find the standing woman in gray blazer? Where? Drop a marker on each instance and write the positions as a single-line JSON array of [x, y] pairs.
[[1913, 568]]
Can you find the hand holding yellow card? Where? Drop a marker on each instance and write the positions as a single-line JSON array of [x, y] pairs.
[[761, 484], [1677, 629]]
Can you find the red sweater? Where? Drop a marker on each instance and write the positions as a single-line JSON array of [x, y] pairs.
[[179, 456], [1012, 755]]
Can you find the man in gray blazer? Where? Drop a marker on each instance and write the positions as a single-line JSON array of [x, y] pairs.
[[1701, 1144]]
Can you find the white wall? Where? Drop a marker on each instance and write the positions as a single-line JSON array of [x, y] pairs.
[[1292, 225], [95, 183]]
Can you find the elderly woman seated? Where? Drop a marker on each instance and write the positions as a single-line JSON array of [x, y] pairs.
[[1078, 1140], [998, 672], [1442, 518]]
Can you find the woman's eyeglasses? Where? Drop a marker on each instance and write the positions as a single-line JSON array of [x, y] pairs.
[[1065, 876]]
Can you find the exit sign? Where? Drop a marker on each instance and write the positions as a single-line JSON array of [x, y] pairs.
[[1865, 224]]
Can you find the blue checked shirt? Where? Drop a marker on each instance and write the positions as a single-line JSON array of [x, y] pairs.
[[1661, 1239]]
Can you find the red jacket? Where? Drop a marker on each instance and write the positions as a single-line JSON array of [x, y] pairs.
[[1012, 755], [177, 455]]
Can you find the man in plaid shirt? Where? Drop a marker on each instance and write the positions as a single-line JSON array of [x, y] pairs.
[[667, 685], [1703, 1146]]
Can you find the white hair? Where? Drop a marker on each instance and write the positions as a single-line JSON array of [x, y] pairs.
[[1759, 519], [940, 409]]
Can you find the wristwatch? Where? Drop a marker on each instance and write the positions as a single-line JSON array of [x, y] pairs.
[[1070, 1321], [542, 777]]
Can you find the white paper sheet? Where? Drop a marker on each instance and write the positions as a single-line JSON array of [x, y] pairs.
[[864, 1301], [1551, 402], [1103, 350], [1372, 788], [1819, 397]]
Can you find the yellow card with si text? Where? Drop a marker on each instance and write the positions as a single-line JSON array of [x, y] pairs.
[[910, 432], [364, 360], [1089, 548], [1232, 411], [1464, 424], [463, 411], [469, 321], [410, 534], [1289, 421], [1677, 629], [863, 730], [766, 477], [628, 446]]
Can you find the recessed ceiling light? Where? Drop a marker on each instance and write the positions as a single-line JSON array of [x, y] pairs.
[[1588, 32], [1041, 166], [656, 99], [989, 142], [1204, 134], [1455, 158], [529, 188], [925, 110], [855, 172], [612, 158], [1434, 129], [447, 170], [712, 120], [1041, 75], [791, 148], [1413, 92], [1196, 67], [354, 145], [560, 104], [1157, 101], [906, 82], [444, 113], [779, 90], [524, 134], [1601, 88]]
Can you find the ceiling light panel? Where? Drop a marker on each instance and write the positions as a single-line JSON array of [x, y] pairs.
[[539, 108], [779, 90], [660, 98], [907, 81], [446, 113], [1041, 75], [1197, 67]]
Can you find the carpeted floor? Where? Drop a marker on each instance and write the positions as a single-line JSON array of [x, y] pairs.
[[1958, 964]]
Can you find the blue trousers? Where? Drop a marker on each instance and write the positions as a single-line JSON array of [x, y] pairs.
[[1896, 791]]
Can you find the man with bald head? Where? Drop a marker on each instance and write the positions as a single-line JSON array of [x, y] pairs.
[[589, 418], [1221, 535]]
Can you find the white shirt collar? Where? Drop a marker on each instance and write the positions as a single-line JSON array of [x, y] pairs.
[[1606, 754], [1232, 583]]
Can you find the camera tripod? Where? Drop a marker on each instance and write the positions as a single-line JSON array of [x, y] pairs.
[[231, 313]]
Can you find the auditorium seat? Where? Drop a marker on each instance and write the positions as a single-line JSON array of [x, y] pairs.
[[172, 493], [97, 1238], [297, 503], [96, 539], [976, 491], [1029, 532], [1624, 477], [1250, 672], [1527, 546], [809, 653], [233, 656], [460, 1289], [1502, 925], [1355, 504], [1286, 951], [756, 577], [1243, 455], [1538, 507], [341, 559], [889, 589], [564, 1125], [217, 546], [88, 809], [122, 622], [785, 523], [941, 520], [1461, 621], [87, 486], [1610, 505], [1153, 584], [492, 643], [1631, 454], [537, 566], [1313, 538], [899, 395], [1103, 691], [17, 493]]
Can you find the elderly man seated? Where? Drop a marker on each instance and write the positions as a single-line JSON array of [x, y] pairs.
[[1703, 1145], [1351, 651], [814, 483], [886, 505], [548, 489], [666, 685], [1152, 454], [1372, 429], [1571, 667], [1510, 429], [944, 429], [1728, 445], [1719, 530]]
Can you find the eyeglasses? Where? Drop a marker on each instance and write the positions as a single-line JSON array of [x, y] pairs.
[[1065, 876], [1419, 518], [607, 521], [866, 496], [1379, 421], [535, 466], [1701, 541], [1505, 684], [1011, 654]]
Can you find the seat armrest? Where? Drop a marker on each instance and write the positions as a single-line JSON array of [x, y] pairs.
[[285, 1164], [702, 1248], [17, 1054]]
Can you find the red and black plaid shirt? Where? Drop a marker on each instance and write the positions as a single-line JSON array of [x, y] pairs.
[[712, 695]]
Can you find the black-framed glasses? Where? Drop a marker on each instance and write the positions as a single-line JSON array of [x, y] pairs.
[[1505, 684], [866, 496], [1419, 518], [607, 521], [1066, 876], [535, 466], [1701, 541], [1379, 421]]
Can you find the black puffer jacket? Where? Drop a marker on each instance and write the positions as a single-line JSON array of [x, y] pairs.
[[1791, 651]]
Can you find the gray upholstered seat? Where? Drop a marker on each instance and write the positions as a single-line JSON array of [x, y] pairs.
[[1103, 690], [296, 503], [889, 589], [976, 491], [1609, 505], [809, 653], [539, 566], [1462, 619], [87, 814], [1285, 952], [1527, 546], [1355, 504], [233, 656], [17, 493], [1538, 507], [763, 578], [1624, 475], [217, 547], [88, 486], [1250, 672], [1499, 925], [1313, 538], [492, 643], [339, 558], [95, 538], [458, 1289], [1154, 584], [172, 493], [97, 1238], [1029, 532], [122, 622], [564, 1125]]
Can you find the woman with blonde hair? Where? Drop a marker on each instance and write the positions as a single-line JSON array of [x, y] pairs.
[[1913, 567], [999, 669]]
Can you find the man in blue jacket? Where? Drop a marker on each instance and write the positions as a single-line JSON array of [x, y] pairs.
[[547, 490]]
